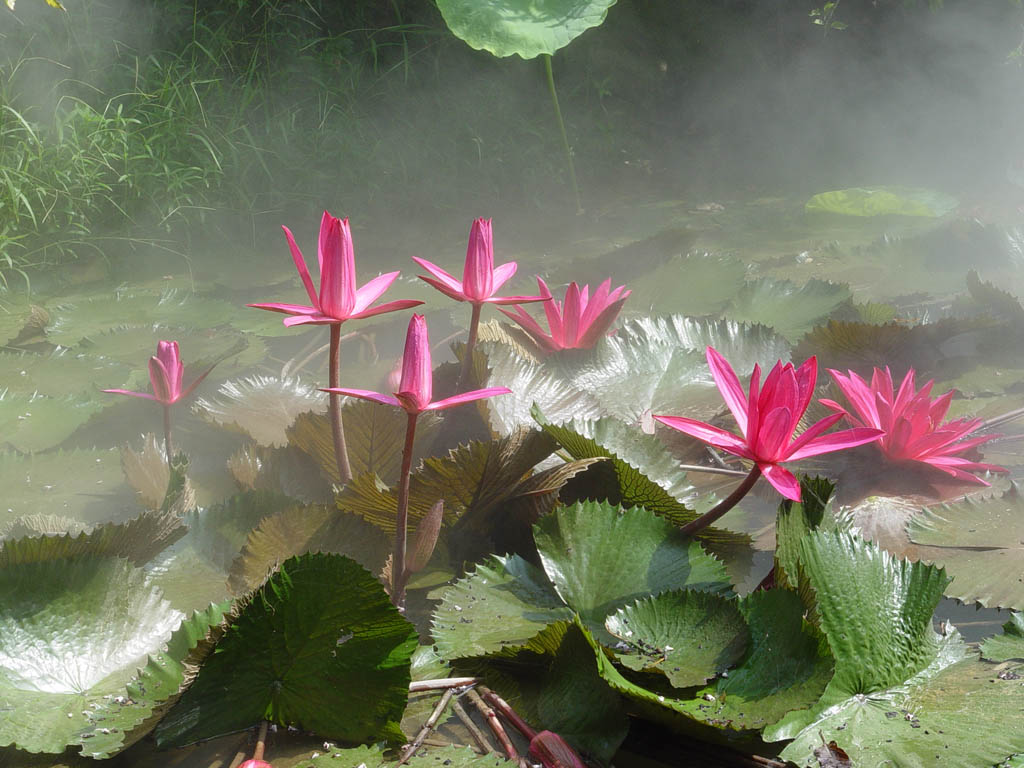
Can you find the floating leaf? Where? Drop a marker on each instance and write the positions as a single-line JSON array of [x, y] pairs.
[[31, 423], [264, 407], [790, 310], [319, 629], [61, 373], [794, 521], [978, 540], [1010, 644], [134, 344], [693, 284], [690, 637], [581, 548], [527, 29], [882, 201], [72, 632]]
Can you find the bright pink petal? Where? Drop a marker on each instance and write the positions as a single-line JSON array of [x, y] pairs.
[[288, 309], [417, 383], [814, 430], [300, 264], [145, 395], [553, 312], [856, 390], [465, 397], [708, 434], [753, 412], [806, 377], [513, 299], [729, 385], [532, 327], [373, 290], [502, 275], [600, 324], [478, 273], [450, 282], [364, 394], [318, 319], [458, 295], [338, 271], [388, 306], [159, 380], [940, 407], [782, 480], [198, 380], [571, 316], [836, 441], [773, 435]]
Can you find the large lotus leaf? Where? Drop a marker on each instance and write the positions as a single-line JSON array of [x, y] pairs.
[[32, 423], [786, 668], [504, 601], [187, 579], [319, 629], [135, 344], [1010, 644], [600, 558], [790, 310], [80, 317], [261, 406], [794, 521], [374, 435], [882, 201], [86, 486], [527, 29], [694, 284], [137, 540], [552, 682], [61, 373], [979, 541], [629, 258], [72, 632], [306, 528], [690, 637]]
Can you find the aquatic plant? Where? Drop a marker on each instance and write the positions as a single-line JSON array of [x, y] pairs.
[[166, 373], [767, 417], [578, 322], [480, 281], [912, 423], [339, 300], [414, 396]]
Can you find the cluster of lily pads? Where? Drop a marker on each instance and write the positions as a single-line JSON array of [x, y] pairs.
[[559, 553]]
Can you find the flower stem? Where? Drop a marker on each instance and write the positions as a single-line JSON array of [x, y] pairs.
[[261, 742], [337, 428], [168, 445], [561, 127], [725, 505], [467, 355], [398, 574]]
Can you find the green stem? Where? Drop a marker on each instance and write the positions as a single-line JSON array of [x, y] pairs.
[[467, 355], [337, 427], [398, 574], [168, 446], [561, 127], [723, 506]]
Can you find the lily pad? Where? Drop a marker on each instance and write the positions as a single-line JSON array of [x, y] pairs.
[[694, 284], [73, 632], [882, 201], [790, 310], [527, 29], [263, 407], [61, 373], [31, 423], [1010, 644], [978, 541], [690, 637], [319, 629], [135, 344]]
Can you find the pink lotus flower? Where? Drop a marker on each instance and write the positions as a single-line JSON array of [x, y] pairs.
[[255, 764], [911, 423], [768, 417], [416, 387], [166, 373], [339, 298], [580, 322], [480, 278]]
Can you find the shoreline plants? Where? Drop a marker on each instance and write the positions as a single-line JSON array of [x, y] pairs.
[[565, 577]]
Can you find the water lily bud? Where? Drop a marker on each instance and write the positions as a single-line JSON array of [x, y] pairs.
[[552, 751], [255, 764]]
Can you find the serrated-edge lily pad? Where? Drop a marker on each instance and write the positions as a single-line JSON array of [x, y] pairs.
[[72, 634], [526, 29], [688, 636], [789, 309], [264, 407], [319, 629], [1010, 644], [31, 423], [62, 373]]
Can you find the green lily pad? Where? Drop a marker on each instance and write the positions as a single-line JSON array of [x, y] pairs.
[[527, 29], [504, 602], [978, 541], [790, 310], [690, 637], [319, 629], [263, 407], [451, 756], [61, 374], [882, 201], [15, 310], [31, 423], [581, 549], [1010, 644], [694, 284], [135, 344], [73, 632], [85, 486]]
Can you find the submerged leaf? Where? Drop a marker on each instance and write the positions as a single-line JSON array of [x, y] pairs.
[[790, 310]]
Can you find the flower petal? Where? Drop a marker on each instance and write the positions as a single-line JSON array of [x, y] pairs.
[[388, 306], [145, 395], [503, 274], [707, 433], [599, 326], [443, 287], [729, 385], [300, 264], [532, 327], [364, 394], [288, 309], [836, 441], [440, 274], [782, 480], [373, 290], [465, 397]]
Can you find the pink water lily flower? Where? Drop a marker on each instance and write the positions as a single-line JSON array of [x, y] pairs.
[[767, 417], [480, 278], [166, 374], [416, 385], [577, 323], [339, 298], [911, 422]]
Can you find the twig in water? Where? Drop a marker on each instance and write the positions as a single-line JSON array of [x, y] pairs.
[[428, 726], [495, 724], [473, 728], [440, 684]]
